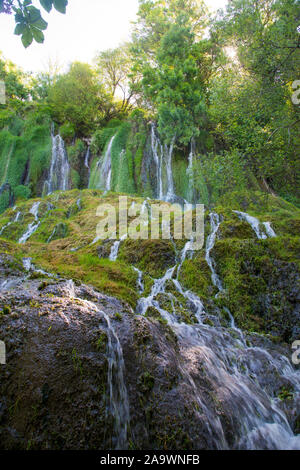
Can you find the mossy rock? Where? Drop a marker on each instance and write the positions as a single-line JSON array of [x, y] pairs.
[[60, 231], [151, 256]]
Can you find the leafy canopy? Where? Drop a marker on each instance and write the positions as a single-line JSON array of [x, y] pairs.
[[29, 21]]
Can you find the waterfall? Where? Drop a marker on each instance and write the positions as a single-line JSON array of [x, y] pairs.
[[190, 171], [257, 226], [163, 155], [60, 169], [34, 225], [118, 396], [235, 371], [215, 223], [140, 284], [115, 248], [119, 404], [103, 169], [87, 158], [155, 145], [170, 196], [269, 231]]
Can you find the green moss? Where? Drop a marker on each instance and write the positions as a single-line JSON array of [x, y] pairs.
[[151, 256], [6, 310], [285, 394], [195, 275]]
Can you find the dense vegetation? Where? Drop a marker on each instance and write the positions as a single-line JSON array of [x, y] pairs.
[[224, 83], [199, 340]]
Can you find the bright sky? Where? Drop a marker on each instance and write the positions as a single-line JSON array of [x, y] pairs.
[[89, 26]]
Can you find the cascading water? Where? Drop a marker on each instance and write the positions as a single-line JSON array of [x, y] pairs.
[[34, 225], [234, 369], [87, 158], [257, 226], [119, 404], [115, 248], [140, 284], [269, 231], [118, 397], [215, 222], [170, 195], [190, 172], [15, 220], [60, 169], [156, 146], [103, 177], [162, 154]]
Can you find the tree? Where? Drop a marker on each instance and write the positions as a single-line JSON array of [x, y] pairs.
[[78, 98], [29, 22], [170, 54], [251, 105], [113, 67], [14, 79], [266, 36]]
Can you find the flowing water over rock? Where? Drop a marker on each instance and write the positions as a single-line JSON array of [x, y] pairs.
[[140, 284], [163, 155], [115, 248], [215, 222], [170, 196], [34, 225], [87, 158], [15, 220], [118, 406], [157, 151], [269, 231], [262, 231], [60, 168], [234, 369], [103, 176]]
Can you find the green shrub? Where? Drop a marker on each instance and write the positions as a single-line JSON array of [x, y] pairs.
[[67, 132], [22, 192]]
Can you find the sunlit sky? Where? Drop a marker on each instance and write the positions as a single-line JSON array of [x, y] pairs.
[[89, 26]]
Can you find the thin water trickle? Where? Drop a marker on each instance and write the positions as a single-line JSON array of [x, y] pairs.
[[118, 406], [140, 284], [262, 230], [115, 248], [87, 158], [215, 222], [15, 220], [33, 226]]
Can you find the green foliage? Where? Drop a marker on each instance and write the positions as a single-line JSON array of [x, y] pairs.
[[174, 85], [75, 178], [218, 174], [113, 67], [100, 139], [75, 153], [4, 201], [77, 98], [29, 22], [67, 132], [15, 90], [22, 192]]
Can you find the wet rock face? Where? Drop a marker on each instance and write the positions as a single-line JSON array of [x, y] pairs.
[[53, 390], [279, 305]]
